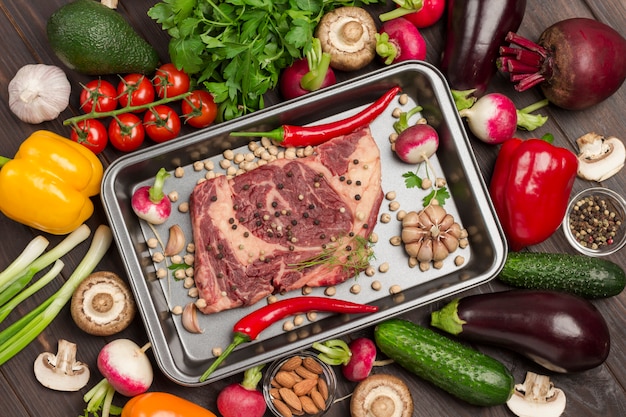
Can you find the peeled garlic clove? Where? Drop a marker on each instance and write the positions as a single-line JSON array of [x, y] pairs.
[[38, 93], [175, 242], [190, 318]]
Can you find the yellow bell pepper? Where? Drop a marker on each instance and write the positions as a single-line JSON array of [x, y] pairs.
[[48, 183]]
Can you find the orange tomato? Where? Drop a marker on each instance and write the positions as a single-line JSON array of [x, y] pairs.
[[162, 404]]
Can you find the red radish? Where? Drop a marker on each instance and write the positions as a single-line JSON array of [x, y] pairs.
[[307, 74], [416, 143], [150, 203], [243, 400], [126, 369], [422, 13], [576, 62], [399, 40], [494, 119], [357, 358]]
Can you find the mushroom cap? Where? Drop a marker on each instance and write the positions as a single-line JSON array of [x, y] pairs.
[[102, 305], [348, 34], [381, 395]]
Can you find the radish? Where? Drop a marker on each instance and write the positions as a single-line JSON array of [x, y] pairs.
[[307, 74], [422, 13], [126, 369], [150, 203], [494, 119], [399, 40], [357, 358], [416, 143], [243, 400], [576, 62]]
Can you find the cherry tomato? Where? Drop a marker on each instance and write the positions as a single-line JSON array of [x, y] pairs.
[[126, 132], [138, 87], [100, 92], [169, 81], [161, 123], [90, 133], [199, 109]]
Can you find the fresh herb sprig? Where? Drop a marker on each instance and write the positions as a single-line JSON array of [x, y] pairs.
[[237, 48], [440, 194]]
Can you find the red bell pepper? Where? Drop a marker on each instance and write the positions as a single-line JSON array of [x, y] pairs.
[[530, 188]]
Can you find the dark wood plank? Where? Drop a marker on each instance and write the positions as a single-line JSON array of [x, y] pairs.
[[598, 392]]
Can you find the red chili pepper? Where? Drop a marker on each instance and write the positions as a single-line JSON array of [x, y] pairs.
[[530, 188], [250, 326], [289, 135]]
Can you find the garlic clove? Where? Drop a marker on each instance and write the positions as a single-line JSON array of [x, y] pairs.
[[175, 242], [190, 318]]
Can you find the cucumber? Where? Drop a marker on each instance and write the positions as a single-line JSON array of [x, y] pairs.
[[460, 370], [576, 274]]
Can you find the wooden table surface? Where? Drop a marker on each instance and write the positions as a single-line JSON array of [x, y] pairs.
[[597, 392]]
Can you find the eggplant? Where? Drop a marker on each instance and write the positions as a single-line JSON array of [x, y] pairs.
[[561, 332], [475, 31]]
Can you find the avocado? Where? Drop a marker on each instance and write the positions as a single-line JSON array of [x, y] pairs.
[[94, 39]]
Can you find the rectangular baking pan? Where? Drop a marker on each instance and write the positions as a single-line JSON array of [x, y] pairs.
[[183, 356]]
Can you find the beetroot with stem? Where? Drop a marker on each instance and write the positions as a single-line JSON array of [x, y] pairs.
[[576, 62]]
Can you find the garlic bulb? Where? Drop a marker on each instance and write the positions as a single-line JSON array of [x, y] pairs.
[[38, 93]]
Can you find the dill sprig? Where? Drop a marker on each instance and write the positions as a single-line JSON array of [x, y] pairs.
[[353, 255]]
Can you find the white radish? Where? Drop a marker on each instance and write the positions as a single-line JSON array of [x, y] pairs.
[[126, 369], [492, 119], [150, 202]]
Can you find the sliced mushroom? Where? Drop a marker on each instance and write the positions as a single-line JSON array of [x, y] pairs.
[[102, 305], [537, 397], [61, 372], [348, 34], [381, 395], [599, 157]]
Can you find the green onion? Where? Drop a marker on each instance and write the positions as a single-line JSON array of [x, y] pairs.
[[28, 255], [14, 279], [17, 336]]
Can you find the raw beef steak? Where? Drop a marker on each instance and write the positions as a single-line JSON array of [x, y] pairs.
[[286, 224]]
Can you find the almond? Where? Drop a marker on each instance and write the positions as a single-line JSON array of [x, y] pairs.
[[322, 387], [291, 364], [304, 387], [305, 373], [282, 408], [290, 398], [312, 365], [318, 400], [285, 379], [308, 406]]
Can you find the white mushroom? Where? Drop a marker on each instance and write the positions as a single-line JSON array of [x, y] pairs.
[[102, 305], [61, 372], [381, 395], [348, 34], [599, 157], [537, 397]]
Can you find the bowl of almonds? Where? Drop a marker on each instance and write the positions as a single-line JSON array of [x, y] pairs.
[[299, 385]]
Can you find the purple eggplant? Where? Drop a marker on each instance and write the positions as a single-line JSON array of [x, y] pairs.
[[559, 331], [475, 31]]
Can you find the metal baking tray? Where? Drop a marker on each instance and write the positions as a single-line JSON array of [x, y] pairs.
[[183, 356]]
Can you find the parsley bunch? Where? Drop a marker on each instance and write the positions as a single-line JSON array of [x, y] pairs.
[[237, 48]]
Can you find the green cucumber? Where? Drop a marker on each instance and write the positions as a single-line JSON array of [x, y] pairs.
[[458, 369], [582, 275]]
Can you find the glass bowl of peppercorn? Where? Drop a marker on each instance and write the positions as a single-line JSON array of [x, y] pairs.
[[594, 222]]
